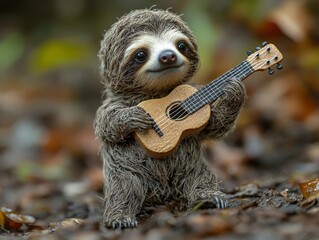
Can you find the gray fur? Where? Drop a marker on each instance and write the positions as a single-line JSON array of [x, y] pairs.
[[132, 179]]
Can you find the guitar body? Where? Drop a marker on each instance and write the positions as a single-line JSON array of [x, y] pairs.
[[172, 130]]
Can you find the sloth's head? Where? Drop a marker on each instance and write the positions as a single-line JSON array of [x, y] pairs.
[[149, 50]]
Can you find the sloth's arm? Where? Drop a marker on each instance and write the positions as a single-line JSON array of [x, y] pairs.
[[225, 110], [114, 121]]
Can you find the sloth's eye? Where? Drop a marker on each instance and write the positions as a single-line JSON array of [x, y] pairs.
[[182, 46], [140, 56]]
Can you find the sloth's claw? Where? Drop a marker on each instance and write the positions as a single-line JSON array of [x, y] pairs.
[[124, 223], [220, 201]]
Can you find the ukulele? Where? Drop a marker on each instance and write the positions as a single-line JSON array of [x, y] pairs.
[[186, 110]]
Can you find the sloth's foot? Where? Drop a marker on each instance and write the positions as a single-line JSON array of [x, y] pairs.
[[218, 200], [221, 201], [125, 222]]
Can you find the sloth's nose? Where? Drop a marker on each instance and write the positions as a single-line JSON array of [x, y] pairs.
[[167, 57]]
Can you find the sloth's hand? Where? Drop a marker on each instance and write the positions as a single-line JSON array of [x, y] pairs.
[[225, 110], [139, 120]]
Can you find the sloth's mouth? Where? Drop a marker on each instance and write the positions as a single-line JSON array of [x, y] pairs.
[[174, 67]]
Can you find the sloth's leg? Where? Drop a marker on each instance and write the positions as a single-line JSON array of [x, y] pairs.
[[124, 197], [201, 186]]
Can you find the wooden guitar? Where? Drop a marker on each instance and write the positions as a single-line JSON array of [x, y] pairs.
[[186, 110]]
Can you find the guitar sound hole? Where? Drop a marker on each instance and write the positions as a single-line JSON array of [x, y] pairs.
[[176, 112]]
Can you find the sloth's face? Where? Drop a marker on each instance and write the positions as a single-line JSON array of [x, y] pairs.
[[161, 61]]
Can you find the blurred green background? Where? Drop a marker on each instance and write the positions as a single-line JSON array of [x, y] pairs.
[[50, 88]]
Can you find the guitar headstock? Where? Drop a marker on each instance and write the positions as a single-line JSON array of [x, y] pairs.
[[265, 57]]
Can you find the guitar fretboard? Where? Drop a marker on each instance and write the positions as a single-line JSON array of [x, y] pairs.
[[212, 91]]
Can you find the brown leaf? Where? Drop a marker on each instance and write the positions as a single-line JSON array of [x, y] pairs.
[[66, 223], [12, 221], [310, 188], [2, 218], [71, 222]]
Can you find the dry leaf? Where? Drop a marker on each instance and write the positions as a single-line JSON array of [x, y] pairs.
[[66, 223], [310, 188], [71, 222], [12, 221]]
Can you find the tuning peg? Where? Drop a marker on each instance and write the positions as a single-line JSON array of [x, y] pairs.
[[258, 48], [249, 52], [279, 66], [264, 43], [270, 71]]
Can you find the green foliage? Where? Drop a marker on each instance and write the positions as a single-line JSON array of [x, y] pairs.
[[55, 53], [11, 49], [204, 31]]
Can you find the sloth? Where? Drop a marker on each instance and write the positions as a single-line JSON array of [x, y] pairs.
[[145, 55]]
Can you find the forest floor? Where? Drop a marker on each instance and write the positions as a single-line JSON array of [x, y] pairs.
[[266, 201], [272, 209]]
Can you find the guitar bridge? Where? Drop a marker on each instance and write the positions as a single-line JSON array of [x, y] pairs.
[[157, 130]]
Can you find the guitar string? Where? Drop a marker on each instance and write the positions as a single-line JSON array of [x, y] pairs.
[[222, 80], [214, 87], [168, 121], [235, 71], [218, 83]]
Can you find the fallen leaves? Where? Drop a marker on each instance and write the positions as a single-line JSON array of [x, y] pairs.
[[67, 223], [310, 188], [13, 221], [251, 208]]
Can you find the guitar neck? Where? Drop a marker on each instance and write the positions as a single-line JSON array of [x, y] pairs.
[[212, 91]]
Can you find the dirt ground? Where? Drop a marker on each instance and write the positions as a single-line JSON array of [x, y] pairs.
[[268, 207]]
